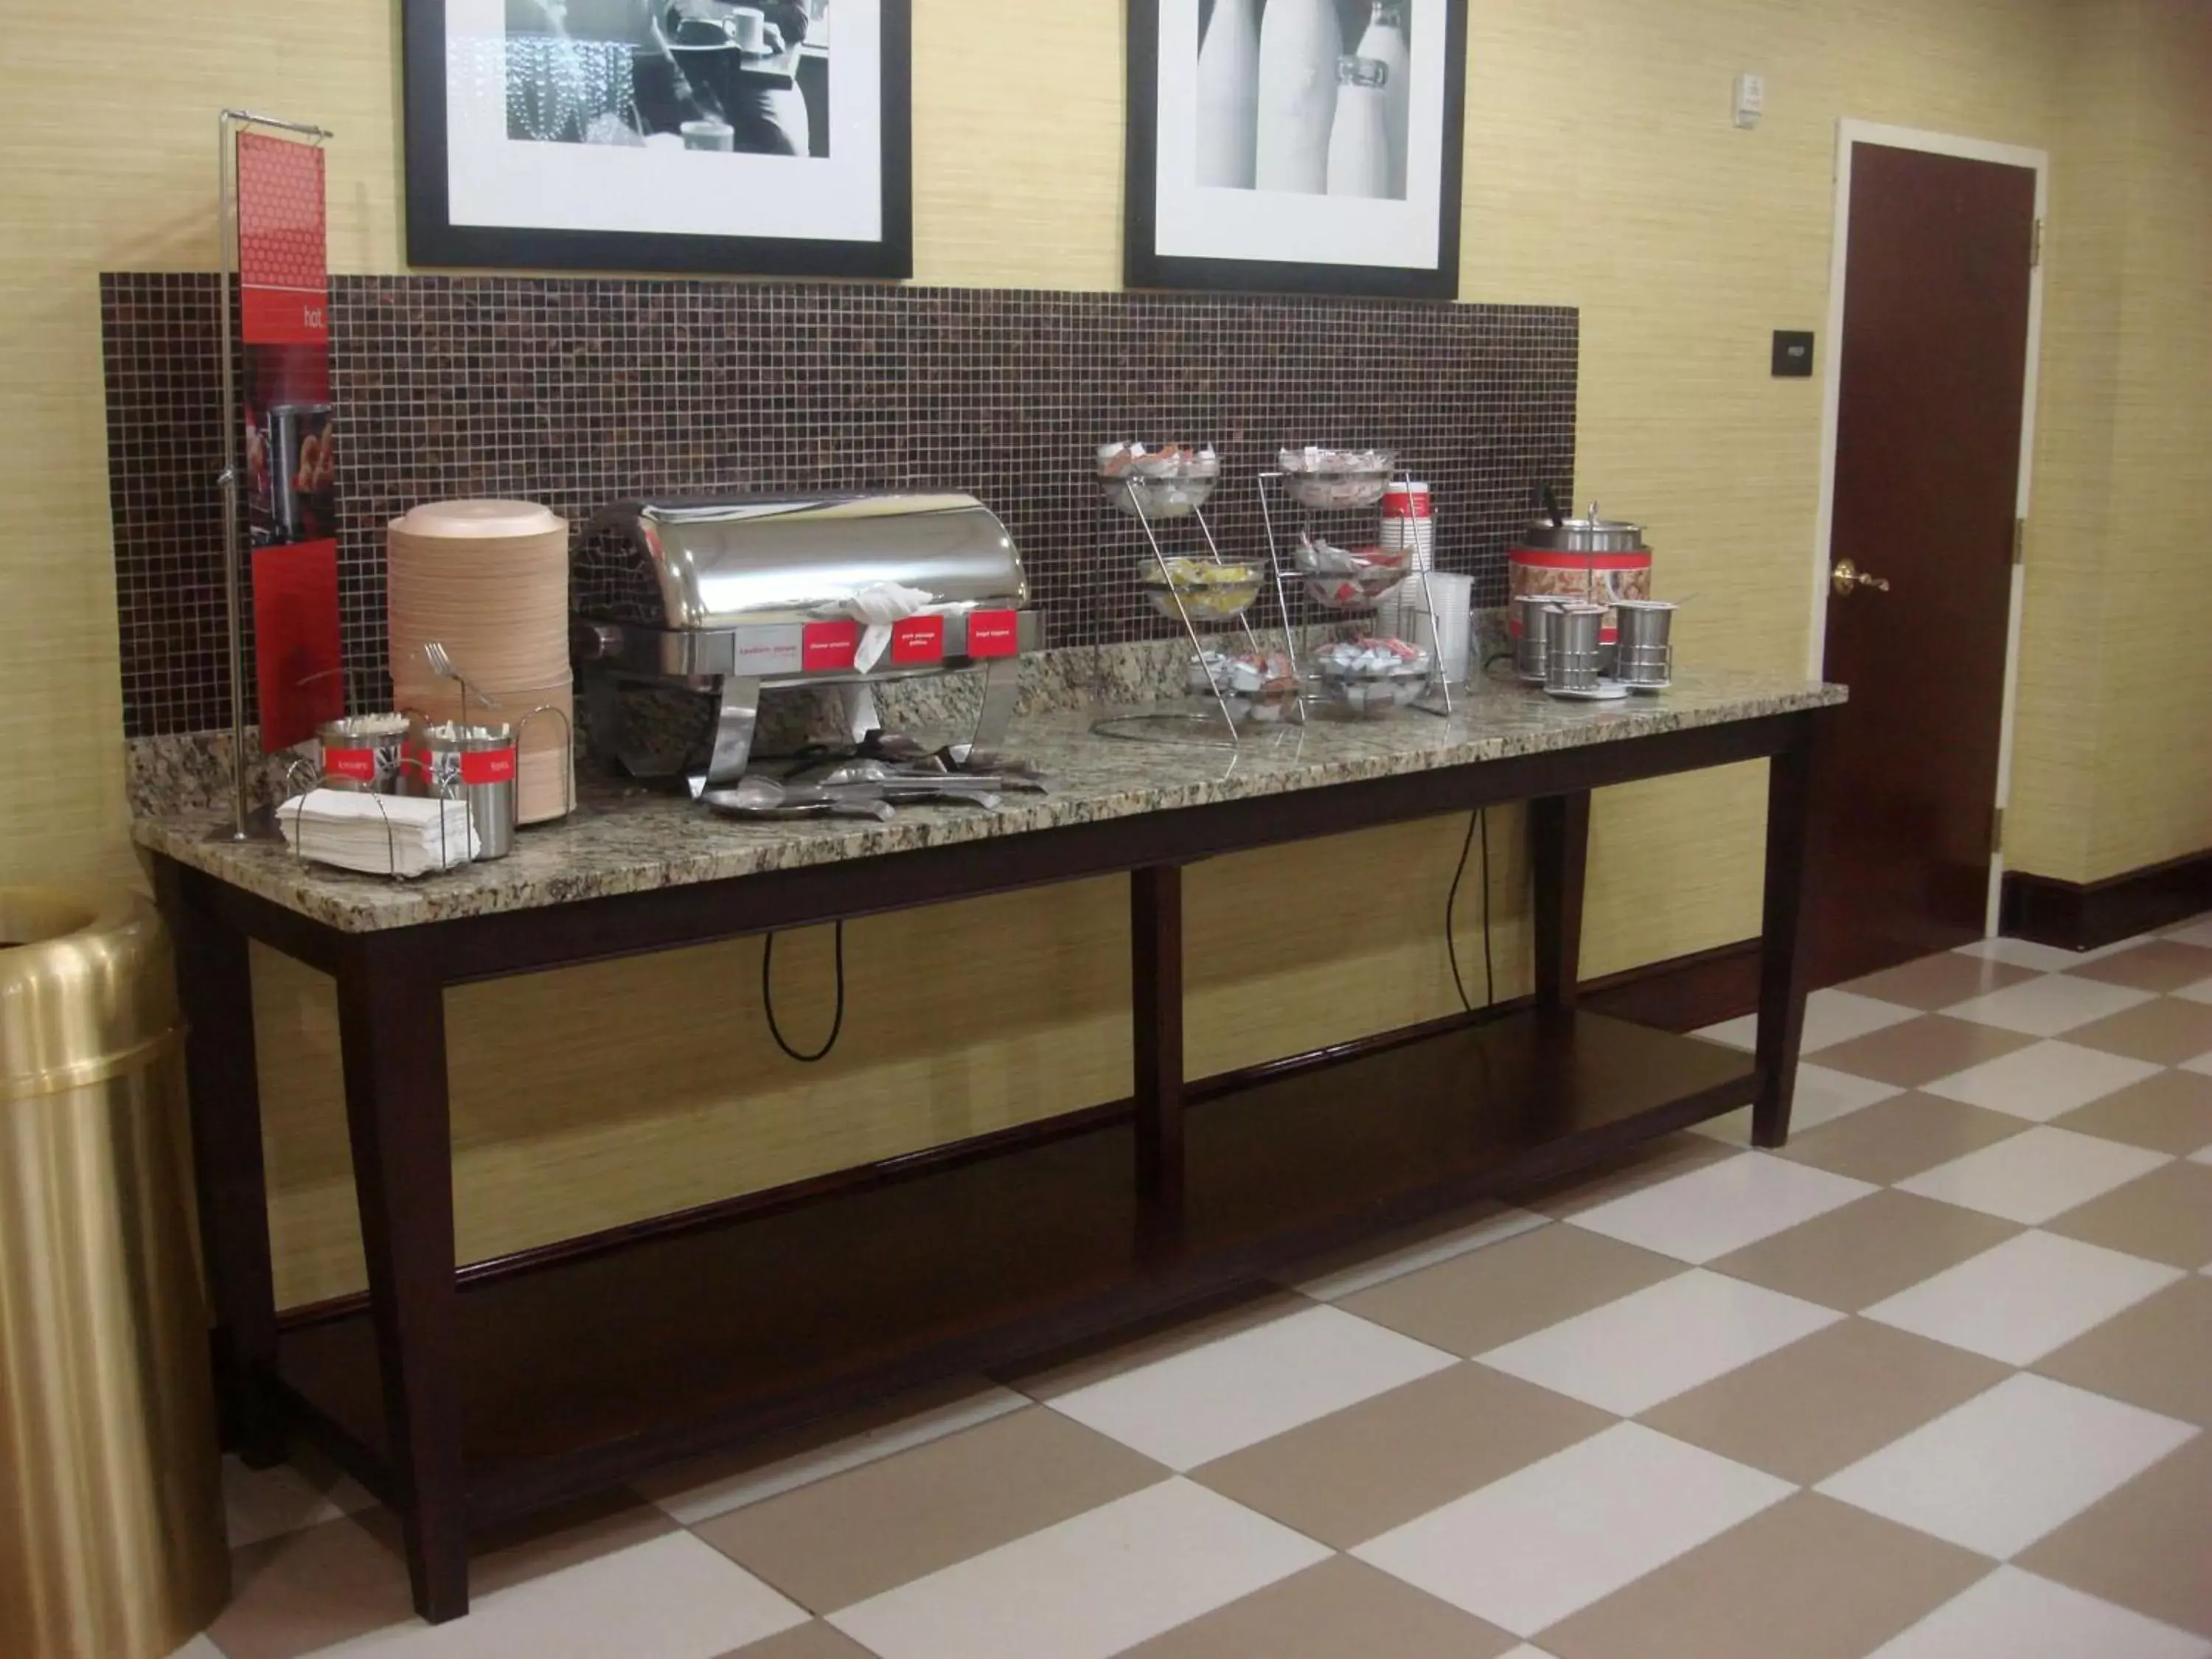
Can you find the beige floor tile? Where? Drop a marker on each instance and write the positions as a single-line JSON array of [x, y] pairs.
[[2161, 964], [2171, 1112], [1340, 1609], [1473, 1303], [2157, 1354], [812, 1640], [2165, 1215], [1810, 1577], [870, 1529], [1362, 1470], [1920, 1050], [1938, 981], [1065, 1370], [2147, 1546], [1649, 1164], [1851, 1258], [1818, 1406], [293, 1595], [1896, 1138], [2165, 1030]]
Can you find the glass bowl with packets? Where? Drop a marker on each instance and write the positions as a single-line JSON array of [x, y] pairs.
[[1368, 678], [1171, 482]]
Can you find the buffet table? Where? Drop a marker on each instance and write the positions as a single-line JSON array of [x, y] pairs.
[[462, 1397]]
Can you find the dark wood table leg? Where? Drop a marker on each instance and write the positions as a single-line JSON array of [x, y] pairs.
[[1558, 850], [1155, 1009], [214, 986], [1784, 955], [391, 1029]]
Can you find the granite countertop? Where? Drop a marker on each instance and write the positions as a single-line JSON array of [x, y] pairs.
[[627, 839]]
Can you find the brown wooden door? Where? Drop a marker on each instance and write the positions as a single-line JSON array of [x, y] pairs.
[[1933, 361]]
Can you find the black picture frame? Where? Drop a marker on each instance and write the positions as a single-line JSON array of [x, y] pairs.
[[1144, 267], [434, 240]]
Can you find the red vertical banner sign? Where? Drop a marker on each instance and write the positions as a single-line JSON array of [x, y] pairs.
[[291, 458]]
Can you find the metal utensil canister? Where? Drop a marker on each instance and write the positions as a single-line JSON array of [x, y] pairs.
[[471, 763], [1535, 611], [1570, 648], [362, 752], [1646, 657]]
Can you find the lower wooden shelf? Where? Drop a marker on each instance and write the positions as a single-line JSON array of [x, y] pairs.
[[588, 1370]]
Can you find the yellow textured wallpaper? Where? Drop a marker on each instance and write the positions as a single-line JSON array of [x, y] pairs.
[[1601, 171]]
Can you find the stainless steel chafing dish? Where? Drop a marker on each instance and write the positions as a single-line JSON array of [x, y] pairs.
[[737, 593]]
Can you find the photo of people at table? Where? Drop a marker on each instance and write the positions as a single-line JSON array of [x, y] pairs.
[[703, 75]]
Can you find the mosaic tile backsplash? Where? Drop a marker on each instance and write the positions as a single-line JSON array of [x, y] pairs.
[[575, 393]]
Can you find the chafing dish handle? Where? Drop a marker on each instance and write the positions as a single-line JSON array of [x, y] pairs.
[[735, 716]]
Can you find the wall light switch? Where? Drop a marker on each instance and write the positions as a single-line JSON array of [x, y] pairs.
[[1793, 352], [1750, 98]]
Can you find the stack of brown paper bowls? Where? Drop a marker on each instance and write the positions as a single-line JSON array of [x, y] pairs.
[[489, 580]]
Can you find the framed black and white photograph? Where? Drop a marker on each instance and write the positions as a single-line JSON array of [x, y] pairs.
[[760, 136], [1300, 146]]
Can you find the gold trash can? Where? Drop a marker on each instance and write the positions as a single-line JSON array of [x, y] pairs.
[[111, 1512]]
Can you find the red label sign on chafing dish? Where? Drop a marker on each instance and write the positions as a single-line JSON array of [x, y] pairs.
[[993, 632], [359, 764], [488, 766], [919, 639], [829, 645]]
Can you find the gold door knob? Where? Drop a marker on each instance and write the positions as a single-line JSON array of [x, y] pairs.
[[1847, 579]]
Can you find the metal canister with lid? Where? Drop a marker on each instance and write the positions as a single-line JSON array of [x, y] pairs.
[[362, 752], [474, 763], [1592, 560]]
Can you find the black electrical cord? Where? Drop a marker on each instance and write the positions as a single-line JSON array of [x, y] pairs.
[[768, 1001], [1476, 820]]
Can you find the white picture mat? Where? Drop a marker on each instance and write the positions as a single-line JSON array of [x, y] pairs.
[[1192, 222], [518, 184]]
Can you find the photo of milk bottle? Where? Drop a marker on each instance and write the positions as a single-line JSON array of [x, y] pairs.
[[1300, 41]]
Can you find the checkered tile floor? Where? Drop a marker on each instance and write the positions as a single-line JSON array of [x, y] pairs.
[[1929, 1384]]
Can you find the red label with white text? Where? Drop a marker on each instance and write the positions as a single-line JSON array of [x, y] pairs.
[[1406, 504], [488, 766], [359, 764], [918, 638], [827, 646], [993, 632]]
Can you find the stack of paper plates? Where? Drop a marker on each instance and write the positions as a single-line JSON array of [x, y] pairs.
[[489, 580]]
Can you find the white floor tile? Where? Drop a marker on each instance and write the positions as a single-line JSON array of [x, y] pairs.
[[2046, 1007], [2009, 1465], [1389, 1264], [1192, 1407], [2200, 992], [2013, 1614], [261, 1503], [1629, 1355], [692, 1501], [1089, 1586], [1822, 1097], [2045, 958], [1722, 1206], [1830, 1016], [198, 1647], [2035, 1175], [2198, 931], [676, 1597], [1524, 1651], [2042, 1080], [2202, 1155], [1526, 1551], [2030, 1294], [2202, 1063]]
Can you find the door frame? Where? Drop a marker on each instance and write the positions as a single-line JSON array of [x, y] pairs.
[[1849, 133]]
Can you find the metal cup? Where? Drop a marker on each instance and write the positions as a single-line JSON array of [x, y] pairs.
[[470, 764], [1570, 648], [1533, 611], [1645, 658], [362, 752]]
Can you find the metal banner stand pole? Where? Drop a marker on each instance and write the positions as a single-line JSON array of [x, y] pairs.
[[228, 124]]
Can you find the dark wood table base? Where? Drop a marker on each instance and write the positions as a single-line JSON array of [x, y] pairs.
[[463, 1398]]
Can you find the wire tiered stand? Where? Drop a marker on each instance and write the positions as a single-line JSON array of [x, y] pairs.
[[1322, 484], [1162, 490]]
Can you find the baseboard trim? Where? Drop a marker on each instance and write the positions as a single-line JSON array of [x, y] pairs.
[[1682, 994], [2083, 915]]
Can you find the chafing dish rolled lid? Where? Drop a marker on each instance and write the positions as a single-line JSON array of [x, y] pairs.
[[701, 564]]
